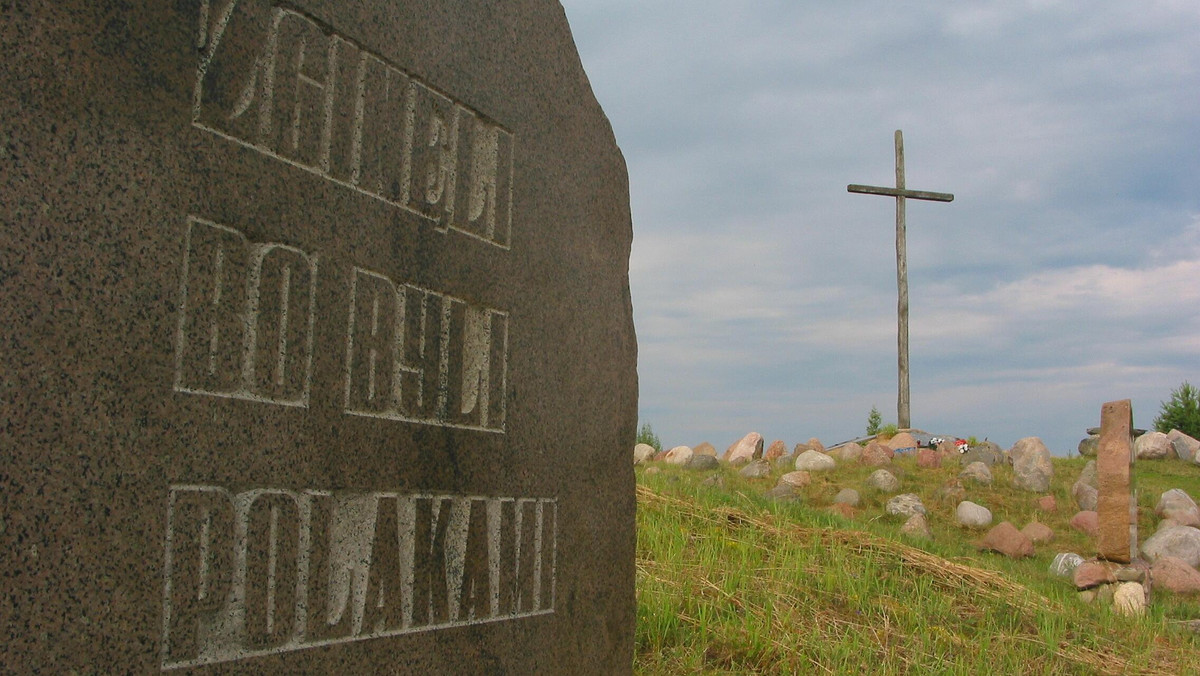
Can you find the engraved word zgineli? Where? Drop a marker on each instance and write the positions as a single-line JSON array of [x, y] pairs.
[[283, 84]]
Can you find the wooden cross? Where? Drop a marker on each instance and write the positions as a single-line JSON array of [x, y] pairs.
[[900, 193]]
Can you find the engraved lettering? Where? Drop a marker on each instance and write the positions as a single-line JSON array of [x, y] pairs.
[[376, 323], [547, 515], [420, 356], [283, 84], [328, 614], [339, 134], [300, 74], [281, 323], [432, 148], [380, 136], [212, 318], [475, 592], [385, 588], [430, 595], [245, 318], [268, 571], [198, 568], [525, 574], [272, 569], [483, 206]]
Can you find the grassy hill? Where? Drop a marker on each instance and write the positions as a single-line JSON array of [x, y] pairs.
[[731, 582]]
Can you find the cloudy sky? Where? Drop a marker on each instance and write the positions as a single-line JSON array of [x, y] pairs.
[[1066, 272]]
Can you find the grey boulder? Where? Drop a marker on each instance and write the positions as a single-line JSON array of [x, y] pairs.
[[1032, 468], [814, 461], [1180, 541], [905, 504]]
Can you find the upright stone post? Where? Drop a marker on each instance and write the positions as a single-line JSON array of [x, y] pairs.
[[1117, 540]]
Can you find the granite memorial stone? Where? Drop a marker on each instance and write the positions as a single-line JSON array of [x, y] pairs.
[[318, 352]]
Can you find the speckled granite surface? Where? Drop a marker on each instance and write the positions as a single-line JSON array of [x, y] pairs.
[[317, 342]]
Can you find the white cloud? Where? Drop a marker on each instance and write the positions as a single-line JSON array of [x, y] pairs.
[[1066, 272]]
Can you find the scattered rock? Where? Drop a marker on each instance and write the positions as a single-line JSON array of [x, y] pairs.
[[805, 446], [1104, 593], [1038, 532], [796, 479], [883, 480], [1088, 475], [1137, 571], [702, 463], [903, 442], [847, 496], [1167, 523], [1006, 539], [927, 458], [705, 448], [815, 444], [1135, 431], [749, 447], [814, 461], [1089, 445], [775, 450], [678, 455], [948, 449], [643, 453], [846, 452], [1130, 599], [1086, 496], [1175, 575], [1046, 503], [905, 504], [782, 492], [977, 472], [788, 461], [1153, 446], [717, 480], [1086, 522], [1181, 541], [875, 455], [1032, 468], [986, 452], [1064, 564], [1185, 447], [1094, 573], [652, 470], [1177, 505], [917, 526], [843, 510], [952, 492], [972, 515], [756, 469]]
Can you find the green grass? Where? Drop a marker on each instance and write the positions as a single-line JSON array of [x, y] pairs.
[[729, 582]]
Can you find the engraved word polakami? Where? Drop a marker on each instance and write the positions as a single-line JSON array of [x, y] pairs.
[[279, 82], [268, 571]]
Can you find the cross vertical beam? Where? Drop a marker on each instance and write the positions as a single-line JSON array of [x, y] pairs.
[[903, 414], [901, 192]]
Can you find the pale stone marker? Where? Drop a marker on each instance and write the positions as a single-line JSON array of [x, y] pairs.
[[1117, 538], [318, 352]]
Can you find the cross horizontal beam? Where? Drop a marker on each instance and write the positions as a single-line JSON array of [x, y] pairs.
[[900, 192]]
